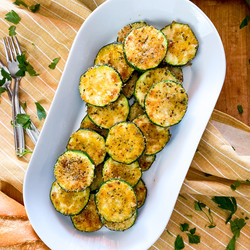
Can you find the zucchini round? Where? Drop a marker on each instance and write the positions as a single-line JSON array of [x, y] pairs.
[[106, 117], [74, 171], [129, 87], [114, 170], [100, 85], [145, 48], [125, 142], [166, 103], [88, 141], [156, 137], [135, 111], [112, 54], [146, 161], [68, 203], [141, 193], [177, 72], [116, 201], [149, 78], [182, 44], [98, 180], [88, 220]]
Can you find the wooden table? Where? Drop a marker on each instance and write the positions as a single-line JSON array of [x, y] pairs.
[[227, 16]]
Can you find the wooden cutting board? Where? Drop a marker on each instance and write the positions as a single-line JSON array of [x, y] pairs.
[[227, 16]]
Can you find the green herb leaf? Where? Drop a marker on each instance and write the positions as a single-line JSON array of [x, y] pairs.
[[178, 244], [193, 239], [24, 105], [236, 184], [12, 17], [244, 22], [231, 244], [189, 215], [169, 233], [41, 113], [183, 197], [5, 74], [184, 227], [34, 8], [25, 66], [19, 2], [2, 90], [207, 175], [240, 109], [54, 63], [192, 231], [198, 205], [246, 218], [33, 44], [236, 226], [12, 30], [25, 151], [23, 120], [227, 203]]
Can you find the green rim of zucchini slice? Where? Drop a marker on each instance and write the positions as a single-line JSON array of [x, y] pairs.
[[68, 203], [114, 170], [116, 200], [141, 193], [166, 103], [88, 124], [100, 85], [147, 79], [145, 48], [146, 162], [156, 137], [88, 220], [120, 226], [112, 54], [129, 87], [98, 180], [74, 171], [135, 111], [125, 142], [90, 142], [106, 117], [182, 44], [177, 72], [126, 29]]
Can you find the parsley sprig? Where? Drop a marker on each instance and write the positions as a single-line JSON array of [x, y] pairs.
[[244, 22], [41, 113], [5, 76], [25, 151], [54, 63], [23, 120], [199, 207], [12, 17], [25, 66], [12, 30], [34, 8], [178, 244]]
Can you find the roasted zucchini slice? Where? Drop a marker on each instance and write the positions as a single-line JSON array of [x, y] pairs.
[[98, 180], [74, 171], [129, 87], [88, 220], [166, 103], [106, 117], [87, 123], [125, 142], [88, 141], [112, 54], [126, 29], [120, 226], [146, 161], [182, 44], [156, 137], [145, 48], [114, 170], [68, 203], [149, 78], [100, 85], [177, 72], [141, 193], [116, 201], [135, 111]]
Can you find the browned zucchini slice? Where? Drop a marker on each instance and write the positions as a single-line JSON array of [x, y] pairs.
[[88, 141], [112, 54], [149, 78], [129, 87], [177, 72], [145, 48], [74, 171], [126, 29], [120, 226], [135, 111], [68, 203], [146, 161], [106, 117], [100, 85], [125, 142], [116, 201], [98, 180], [156, 137], [141, 193], [182, 44], [114, 170], [88, 220], [87, 123], [166, 103]]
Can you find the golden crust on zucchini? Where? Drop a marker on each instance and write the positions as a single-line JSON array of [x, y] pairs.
[[141, 193], [98, 180], [177, 72], [146, 161], [135, 111], [129, 87]]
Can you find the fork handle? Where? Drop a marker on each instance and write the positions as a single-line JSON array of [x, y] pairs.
[[18, 131]]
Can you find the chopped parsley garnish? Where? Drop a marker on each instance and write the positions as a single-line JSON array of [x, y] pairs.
[[25, 151], [192, 231], [189, 215], [227, 203], [12, 17], [237, 184], [19, 2], [207, 175], [24, 105], [169, 233], [12, 30], [5, 76], [240, 109], [183, 197], [54, 63], [244, 22], [2, 90], [178, 244], [184, 227], [23, 120], [41, 113], [193, 239], [25, 66], [34, 8]]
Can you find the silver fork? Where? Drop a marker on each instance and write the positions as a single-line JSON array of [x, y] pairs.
[[11, 54], [33, 133]]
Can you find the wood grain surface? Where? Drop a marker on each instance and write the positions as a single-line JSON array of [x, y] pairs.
[[227, 16]]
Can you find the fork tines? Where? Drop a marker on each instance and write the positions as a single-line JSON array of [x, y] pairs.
[[11, 44]]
